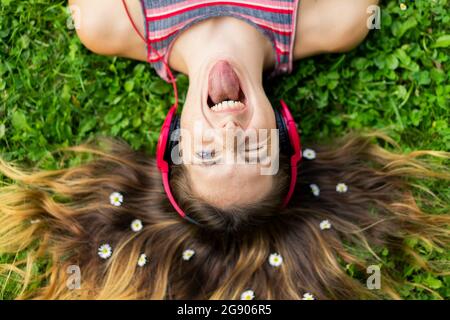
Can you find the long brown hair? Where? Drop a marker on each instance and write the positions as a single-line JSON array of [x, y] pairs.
[[57, 219]]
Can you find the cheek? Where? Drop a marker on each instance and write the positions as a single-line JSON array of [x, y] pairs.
[[190, 119], [185, 149], [264, 120], [264, 116]]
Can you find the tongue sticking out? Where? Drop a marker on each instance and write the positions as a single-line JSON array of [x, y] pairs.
[[223, 83]]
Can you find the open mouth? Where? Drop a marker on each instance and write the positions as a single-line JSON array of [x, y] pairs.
[[224, 89]]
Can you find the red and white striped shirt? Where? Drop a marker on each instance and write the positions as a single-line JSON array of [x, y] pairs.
[[164, 19]]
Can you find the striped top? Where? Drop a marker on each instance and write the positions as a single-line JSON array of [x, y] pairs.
[[165, 19]]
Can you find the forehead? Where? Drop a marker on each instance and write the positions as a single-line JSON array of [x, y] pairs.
[[227, 184], [223, 171]]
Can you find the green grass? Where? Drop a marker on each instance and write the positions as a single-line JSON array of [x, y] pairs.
[[54, 93]]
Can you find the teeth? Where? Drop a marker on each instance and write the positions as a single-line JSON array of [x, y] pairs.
[[228, 105]]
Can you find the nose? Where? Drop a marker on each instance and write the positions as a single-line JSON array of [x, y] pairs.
[[230, 125]]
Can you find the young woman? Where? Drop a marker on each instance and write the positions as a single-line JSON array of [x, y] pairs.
[[110, 222], [198, 38]]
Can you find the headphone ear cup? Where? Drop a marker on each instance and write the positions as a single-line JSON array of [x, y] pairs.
[[283, 134], [173, 139]]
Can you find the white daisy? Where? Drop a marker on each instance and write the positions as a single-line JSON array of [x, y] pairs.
[[308, 296], [142, 261], [275, 260], [248, 295], [403, 6], [105, 251], [187, 254], [136, 225], [116, 199], [341, 187], [309, 154], [315, 189], [325, 224]]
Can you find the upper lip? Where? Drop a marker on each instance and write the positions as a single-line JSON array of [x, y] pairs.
[[230, 110]]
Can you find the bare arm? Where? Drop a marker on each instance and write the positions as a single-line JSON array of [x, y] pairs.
[[330, 26], [104, 28], [322, 26]]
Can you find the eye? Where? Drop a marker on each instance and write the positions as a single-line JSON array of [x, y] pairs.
[[205, 154], [255, 148]]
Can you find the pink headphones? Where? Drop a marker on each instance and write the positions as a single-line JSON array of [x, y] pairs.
[[289, 144], [288, 135]]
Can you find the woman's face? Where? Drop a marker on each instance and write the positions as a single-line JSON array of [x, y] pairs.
[[220, 143]]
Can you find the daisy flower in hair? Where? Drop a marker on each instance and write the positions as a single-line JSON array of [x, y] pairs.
[[275, 260], [315, 189], [105, 251], [308, 296], [341, 187], [187, 254], [248, 295], [309, 154], [136, 225], [116, 199], [142, 261], [325, 224]]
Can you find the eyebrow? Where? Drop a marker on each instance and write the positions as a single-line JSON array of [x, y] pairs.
[[208, 163]]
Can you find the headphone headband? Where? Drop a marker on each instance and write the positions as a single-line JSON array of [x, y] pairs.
[[296, 156]]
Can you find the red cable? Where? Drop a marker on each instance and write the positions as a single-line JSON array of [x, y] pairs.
[[148, 43], [132, 21]]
